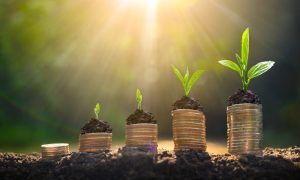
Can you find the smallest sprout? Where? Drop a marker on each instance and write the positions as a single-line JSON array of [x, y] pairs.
[[97, 110], [139, 99]]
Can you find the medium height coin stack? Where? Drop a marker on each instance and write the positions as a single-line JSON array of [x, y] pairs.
[[189, 130], [142, 135]]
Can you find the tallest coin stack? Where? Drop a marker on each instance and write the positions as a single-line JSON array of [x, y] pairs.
[[244, 128]]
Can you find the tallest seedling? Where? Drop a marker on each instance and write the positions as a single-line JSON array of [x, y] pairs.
[[242, 67], [244, 110]]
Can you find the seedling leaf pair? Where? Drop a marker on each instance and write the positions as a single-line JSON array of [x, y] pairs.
[[185, 81], [139, 99], [241, 67], [97, 110]]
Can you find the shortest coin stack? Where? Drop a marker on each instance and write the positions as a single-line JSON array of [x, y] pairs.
[[53, 150], [189, 130], [142, 135], [95, 142]]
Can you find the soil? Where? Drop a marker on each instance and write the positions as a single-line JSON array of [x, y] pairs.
[[95, 125], [274, 164], [140, 116], [188, 103], [242, 96]]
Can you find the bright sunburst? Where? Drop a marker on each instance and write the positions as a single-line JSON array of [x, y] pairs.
[[149, 3]]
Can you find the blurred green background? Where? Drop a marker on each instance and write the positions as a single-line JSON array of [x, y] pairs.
[[59, 57]]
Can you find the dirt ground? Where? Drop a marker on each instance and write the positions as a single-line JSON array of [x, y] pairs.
[[134, 164]]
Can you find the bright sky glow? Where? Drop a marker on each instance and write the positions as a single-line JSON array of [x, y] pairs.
[[149, 3]]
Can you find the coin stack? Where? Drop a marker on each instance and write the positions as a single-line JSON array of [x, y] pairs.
[[189, 131], [95, 142], [54, 150], [142, 135], [244, 128]]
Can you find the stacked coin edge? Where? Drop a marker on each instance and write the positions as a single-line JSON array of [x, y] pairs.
[[189, 130], [142, 135], [95, 142], [244, 129], [54, 150]]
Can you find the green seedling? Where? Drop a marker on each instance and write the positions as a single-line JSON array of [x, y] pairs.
[[242, 66], [97, 110], [185, 81], [139, 99]]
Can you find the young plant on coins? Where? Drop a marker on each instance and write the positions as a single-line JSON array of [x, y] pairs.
[[189, 131], [187, 83], [140, 116], [241, 67], [141, 128], [95, 124], [244, 107], [96, 135]]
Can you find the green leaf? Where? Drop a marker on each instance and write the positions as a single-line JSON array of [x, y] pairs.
[[139, 98], [245, 48], [238, 59], [178, 74], [242, 65], [232, 65], [193, 79], [97, 110], [186, 78], [259, 69]]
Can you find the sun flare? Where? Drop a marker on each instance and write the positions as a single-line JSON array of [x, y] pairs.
[[148, 3]]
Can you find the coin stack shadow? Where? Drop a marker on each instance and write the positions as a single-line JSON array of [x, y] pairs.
[[142, 135], [95, 142], [189, 130], [54, 150], [244, 129]]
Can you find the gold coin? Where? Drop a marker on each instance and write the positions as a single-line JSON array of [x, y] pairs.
[[140, 133], [143, 141], [95, 139], [55, 149], [179, 132], [96, 135], [178, 141], [190, 147], [186, 111], [93, 142]]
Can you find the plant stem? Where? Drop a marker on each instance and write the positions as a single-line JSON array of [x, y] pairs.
[[244, 79]]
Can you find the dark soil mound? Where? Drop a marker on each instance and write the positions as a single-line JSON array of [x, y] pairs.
[[95, 125], [274, 164], [140, 116], [187, 103], [242, 96]]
